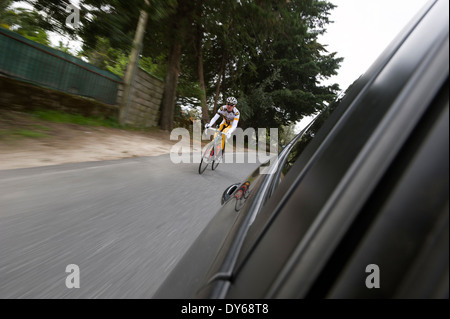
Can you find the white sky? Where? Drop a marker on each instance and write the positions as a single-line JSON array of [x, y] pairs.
[[362, 29]]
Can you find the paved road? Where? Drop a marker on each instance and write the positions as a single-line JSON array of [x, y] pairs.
[[124, 223]]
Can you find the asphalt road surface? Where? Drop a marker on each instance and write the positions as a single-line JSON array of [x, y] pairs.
[[123, 223]]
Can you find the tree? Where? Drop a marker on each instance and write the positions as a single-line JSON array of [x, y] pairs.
[[179, 27], [199, 53], [24, 22], [285, 85], [7, 15], [102, 55], [53, 15]]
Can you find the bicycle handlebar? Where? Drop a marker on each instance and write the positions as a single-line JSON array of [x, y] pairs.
[[214, 129]]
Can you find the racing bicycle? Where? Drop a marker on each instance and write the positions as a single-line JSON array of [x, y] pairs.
[[213, 152]]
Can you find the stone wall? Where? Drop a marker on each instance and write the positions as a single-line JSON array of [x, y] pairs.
[[22, 96], [143, 109], [146, 95]]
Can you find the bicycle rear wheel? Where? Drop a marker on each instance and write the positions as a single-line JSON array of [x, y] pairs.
[[206, 159]]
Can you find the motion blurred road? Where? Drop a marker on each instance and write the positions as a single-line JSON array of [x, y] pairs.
[[124, 223]]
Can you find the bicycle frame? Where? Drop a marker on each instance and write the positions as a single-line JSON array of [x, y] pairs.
[[216, 141], [211, 151]]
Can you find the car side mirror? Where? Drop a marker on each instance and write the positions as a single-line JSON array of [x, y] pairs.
[[228, 192]]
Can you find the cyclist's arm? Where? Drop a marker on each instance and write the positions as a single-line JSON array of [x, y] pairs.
[[234, 125], [214, 119]]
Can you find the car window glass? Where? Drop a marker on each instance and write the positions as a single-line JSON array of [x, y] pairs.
[[303, 141]]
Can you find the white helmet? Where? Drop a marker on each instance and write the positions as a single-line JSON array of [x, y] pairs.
[[232, 100]]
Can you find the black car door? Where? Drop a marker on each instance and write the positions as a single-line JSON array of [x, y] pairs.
[[325, 222]]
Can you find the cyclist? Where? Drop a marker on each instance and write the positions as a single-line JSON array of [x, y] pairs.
[[230, 116]]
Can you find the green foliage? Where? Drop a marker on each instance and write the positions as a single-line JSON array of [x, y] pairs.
[[119, 66], [62, 47], [157, 66], [24, 22], [38, 35], [102, 54], [290, 65], [7, 15]]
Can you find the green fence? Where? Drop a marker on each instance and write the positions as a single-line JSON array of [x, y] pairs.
[[33, 62]]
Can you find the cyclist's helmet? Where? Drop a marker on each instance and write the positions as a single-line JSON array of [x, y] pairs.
[[232, 100]]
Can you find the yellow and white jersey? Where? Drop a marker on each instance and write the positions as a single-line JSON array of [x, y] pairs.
[[228, 117]]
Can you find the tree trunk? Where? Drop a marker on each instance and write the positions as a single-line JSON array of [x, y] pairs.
[[180, 29], [132, 66], [201, 77], [170, 87]]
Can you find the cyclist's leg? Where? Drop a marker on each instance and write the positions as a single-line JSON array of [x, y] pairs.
[[223, 128], [227, 127], [213, 150]]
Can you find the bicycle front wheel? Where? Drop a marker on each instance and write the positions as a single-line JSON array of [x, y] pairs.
[[206, 158], [218, 158], [215, 163]]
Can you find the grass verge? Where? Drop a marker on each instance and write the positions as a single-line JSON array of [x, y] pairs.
[[60, 117], [19, 133]]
